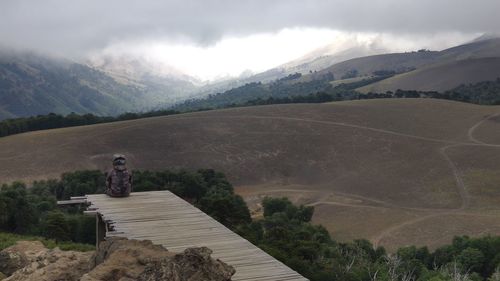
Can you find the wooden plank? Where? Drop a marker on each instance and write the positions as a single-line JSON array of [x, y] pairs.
[[165, 219], [71, 202]]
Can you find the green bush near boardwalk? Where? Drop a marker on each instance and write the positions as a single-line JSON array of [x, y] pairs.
[[10, 239]]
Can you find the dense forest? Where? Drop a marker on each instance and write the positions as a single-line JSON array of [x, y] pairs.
[[291, 86], [285, 231], [292, 89]]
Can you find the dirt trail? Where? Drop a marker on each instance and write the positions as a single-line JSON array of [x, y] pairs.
[[462, 189], [341, 124], [377, 204], [470, 133]]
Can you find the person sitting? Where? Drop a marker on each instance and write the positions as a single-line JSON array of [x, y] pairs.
[[119, 179]]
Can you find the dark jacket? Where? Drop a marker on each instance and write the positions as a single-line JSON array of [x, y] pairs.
[[119, 183]]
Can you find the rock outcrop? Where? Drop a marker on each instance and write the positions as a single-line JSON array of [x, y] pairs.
[[122, 259], [117, 259], [30, 260], [193, 264]]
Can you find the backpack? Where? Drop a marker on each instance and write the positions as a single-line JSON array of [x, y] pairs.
[[119, 183]]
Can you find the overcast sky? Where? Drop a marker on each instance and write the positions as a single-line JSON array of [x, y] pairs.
[[238, 34]]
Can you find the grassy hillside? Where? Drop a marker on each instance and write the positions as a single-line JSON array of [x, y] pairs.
[[403, 62], [394, 166], [440, 77], [398, 62], [469, 63]]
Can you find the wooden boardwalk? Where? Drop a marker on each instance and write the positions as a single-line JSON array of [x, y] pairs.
[[164, 218]]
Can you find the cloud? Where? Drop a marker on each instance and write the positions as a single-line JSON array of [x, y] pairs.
[[231, 56], [80, 26]]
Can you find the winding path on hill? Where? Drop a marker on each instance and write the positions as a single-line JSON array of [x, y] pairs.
[[457, 175], [448, 144], [462, 189], [470, 133], [340, 124]]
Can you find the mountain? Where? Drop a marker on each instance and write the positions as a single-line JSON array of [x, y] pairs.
[[312, 62], [474, 62], [366, 66], [32, 84], [407, 171], [482, 47], [317, 60], [423, 70], [108, 85], [146, 73], [440, 76]]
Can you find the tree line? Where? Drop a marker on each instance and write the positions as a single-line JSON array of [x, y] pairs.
[[252, 94], [53, 121], [485, 93], [284, 231], [292, 87], [34, 210]]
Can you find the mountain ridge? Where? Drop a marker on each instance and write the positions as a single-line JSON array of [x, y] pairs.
[[472, 62], [32, 84]]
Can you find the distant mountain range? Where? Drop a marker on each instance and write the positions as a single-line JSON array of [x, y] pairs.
[[33, 84], [315, 61], [421, 70]]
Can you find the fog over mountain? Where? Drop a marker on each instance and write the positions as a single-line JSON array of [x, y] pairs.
[[117, 56], [195, 36]]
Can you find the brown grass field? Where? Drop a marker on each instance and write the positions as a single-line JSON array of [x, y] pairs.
[[440, 76], [397, 172]]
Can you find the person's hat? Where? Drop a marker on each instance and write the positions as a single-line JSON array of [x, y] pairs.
[[119, 160]]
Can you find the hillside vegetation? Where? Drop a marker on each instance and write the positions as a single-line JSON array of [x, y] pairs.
[[284, 230], [290, 87], [423, 71], [33, 210], [8, 239]]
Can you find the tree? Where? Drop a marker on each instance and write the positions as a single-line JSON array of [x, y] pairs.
[[471, 259], [55, 226], [496, 275], [274, 205], [226, 207]]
